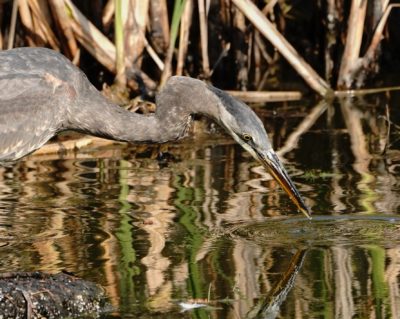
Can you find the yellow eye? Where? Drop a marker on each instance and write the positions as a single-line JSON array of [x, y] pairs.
[[247, 137]]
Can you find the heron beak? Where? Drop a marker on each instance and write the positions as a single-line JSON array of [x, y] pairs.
[[274, 166]]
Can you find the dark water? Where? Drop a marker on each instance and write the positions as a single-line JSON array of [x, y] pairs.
[[207, 227]]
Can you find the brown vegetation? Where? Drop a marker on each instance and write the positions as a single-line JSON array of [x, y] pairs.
[[235, 44]]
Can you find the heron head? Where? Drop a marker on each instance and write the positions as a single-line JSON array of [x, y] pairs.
[[246, 128]]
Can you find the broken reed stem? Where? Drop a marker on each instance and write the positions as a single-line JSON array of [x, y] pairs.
[[352, 63], [223, 54], [283, 46], [360, 92], [266, 96], [153, 55], [351, 54], [377, 37], [204, 37]]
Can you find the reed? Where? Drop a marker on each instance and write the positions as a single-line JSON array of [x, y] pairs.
[[179, 6], [119, 44], [235, 44]]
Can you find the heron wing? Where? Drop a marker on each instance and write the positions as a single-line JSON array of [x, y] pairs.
[[28, 117]]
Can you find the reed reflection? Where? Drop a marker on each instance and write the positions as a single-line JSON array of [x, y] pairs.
[[212, 226]]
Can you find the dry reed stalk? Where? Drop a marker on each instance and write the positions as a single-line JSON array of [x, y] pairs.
[[250, 47], [262, 47], [63, 22], [26, 20], [44, 8], [184, 35], [225, 11], [60, 147], [102, 51], [135, 30], [264, 96], [153, 55], [257, 60], [330, 36], [264, 78], [259, 47], [166, 73], [269, 6], [179, 6], [283, 46], [100, 46], [119, 24], [159, 25], [13, 23], [108, 13], [1, 20], [358, 66], [239, 45], [41, 37], [351, 54], [204, 37], [41, 17], [224, 53], [361, 92], [378, 34], [74, 144], [91, 38], [76, 59]]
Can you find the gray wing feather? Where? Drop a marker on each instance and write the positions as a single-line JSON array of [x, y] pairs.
[[28, 116]]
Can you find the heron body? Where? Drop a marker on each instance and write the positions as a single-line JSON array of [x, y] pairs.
[[42, 93]]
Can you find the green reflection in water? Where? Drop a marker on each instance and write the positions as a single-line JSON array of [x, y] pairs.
[[379, 285], [123, 233], [185, 196], [368, 195], [320, 266]]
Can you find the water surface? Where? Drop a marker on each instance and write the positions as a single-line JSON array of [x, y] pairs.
[[204, 232]]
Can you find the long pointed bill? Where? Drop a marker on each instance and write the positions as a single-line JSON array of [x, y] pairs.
[[274, 166]]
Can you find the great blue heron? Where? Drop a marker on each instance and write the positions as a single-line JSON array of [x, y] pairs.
[[42, 93]]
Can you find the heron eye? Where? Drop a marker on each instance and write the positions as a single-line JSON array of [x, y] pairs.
[[247, 137]]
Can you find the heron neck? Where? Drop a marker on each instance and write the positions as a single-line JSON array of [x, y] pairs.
[[175, 104], [183, 96], [99, 117]]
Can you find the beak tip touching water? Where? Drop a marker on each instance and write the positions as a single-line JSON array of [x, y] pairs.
[[278, 172], [306, 211]]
